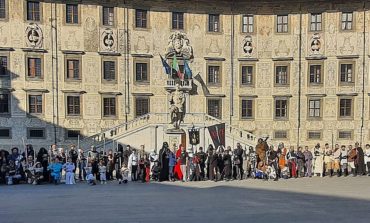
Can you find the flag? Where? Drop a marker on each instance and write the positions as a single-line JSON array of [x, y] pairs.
[[166, 67], [176, 68], [217, 133], [187, 70]]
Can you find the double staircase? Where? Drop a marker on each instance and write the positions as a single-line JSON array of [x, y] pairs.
[[142, 126]]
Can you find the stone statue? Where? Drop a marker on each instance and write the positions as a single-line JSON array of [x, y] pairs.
[[177, 107]]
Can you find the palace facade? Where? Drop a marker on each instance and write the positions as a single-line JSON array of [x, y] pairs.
[[296, 71]]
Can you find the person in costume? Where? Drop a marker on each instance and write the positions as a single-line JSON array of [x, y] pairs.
[[69, 167], [73, 154], [291, 156], [226, 158], [367, 158], [43, 158], [133, 162], [56, 170], [89, 174], [124, 174], [273, 160], [183, 159], [328, 160], [344, 160], [153, 158], [202, 156], [336, 157], [81, 164], [360, 161], [213, 158], [177, 170], [164, 162], [102, 172], [308, 161], [93, 158], [352, 159], [319, 161], [171, 164], [300, 162]]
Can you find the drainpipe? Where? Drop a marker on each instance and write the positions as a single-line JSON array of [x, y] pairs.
[[363, 75], [232, 67], [299, 75]]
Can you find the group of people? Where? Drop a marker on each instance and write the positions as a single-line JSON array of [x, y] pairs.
[[57, 165]]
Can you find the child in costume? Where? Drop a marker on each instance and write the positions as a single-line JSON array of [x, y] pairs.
[[102, 172], [69, 168], [89, 175], [56, 170], [124, 174]]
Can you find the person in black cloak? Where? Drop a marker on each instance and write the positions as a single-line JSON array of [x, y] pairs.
[[360, 160], [164, 162], [43, 158]]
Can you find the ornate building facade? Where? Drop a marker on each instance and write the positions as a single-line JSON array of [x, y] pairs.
[[294, 70]]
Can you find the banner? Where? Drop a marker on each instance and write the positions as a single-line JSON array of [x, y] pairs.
[[217, 133], [194, 136]]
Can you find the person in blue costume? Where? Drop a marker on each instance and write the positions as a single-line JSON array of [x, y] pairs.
[[56, 170]]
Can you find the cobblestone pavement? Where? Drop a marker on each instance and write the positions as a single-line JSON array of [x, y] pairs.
[[294, 200]]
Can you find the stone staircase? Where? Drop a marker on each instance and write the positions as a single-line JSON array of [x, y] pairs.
[[155, 120]]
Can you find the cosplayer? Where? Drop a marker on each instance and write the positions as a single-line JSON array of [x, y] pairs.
[[367, 158], [291, 157], [55, 170], [171, 164], [69, 167], [344, 160], [124, 174], [328, 160], [308, 162], [352, 157], [13, 174], [35, 174], [164, 162], [202, 161], [89, 174], [133, 162], [336, 158], [102, 172], [319, 161], [261, 172], [153, 157]]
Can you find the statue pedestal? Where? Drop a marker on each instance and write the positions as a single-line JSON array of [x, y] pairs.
[[176, 136]]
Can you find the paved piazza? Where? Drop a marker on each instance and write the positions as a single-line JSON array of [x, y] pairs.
[[294, 200]]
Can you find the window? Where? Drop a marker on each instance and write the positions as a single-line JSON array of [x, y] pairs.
[[281, 108], [248, 21], [316, 22], [72, 134], [108, 16], [109, 70], [345, 107], [2, 9], [141, 18], [33, 11], [141, 71], [247, 75], [281, 134], [281, 75], [35, 104], [73, 105], [177, 20], [345, 134], [5, 133], [247, 108], [3, 66], [315, 74], [71, 14], [282, 24], [214, 75], [35, 133], [73, 69], [214, 108], [4, 103], [346, 73], [109, 106], [34, 68], [314, 135], [347, 19], [214, 23], [142, 106], [314, 107]]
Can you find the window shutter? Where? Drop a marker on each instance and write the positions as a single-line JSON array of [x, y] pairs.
[[31, 67]]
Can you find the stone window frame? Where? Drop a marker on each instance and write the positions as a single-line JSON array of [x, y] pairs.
[[79, 11], [68, 57], [35, 93], [280, 64], [141, 98], [7, 55], [283, 132], [287, 109], [288, 23], [352, 22], [314, 132], [109, 81], [352, 98], [104, 96], [346, 83], [71, 138], [25, 11], [6, 8], [141, 60], [34, 128], [147, 27], [322, 70], [344, 131], [35, 55], [220, 104], [253, 24], [321, 108], [101, 10], [253, 65], [220, 25], [7, 114], [66, 95], [253, 108], [322, 22], [10, 133], [214, 64], [183, 20]]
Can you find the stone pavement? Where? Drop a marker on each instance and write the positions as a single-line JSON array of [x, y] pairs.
[[294, 200]]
